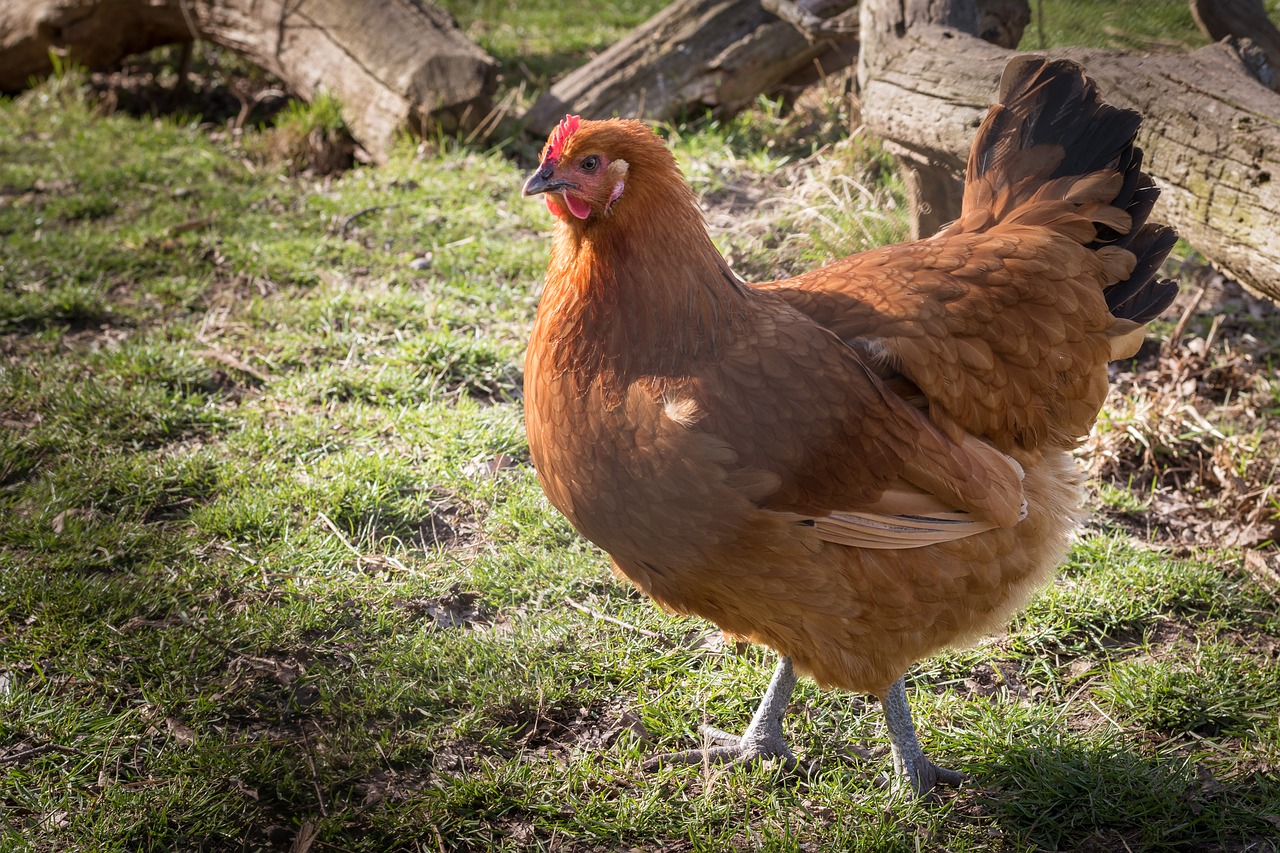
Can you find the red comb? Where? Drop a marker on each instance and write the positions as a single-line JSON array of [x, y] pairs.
[[559, 136]]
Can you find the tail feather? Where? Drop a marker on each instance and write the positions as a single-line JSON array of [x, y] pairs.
[[1136, 197], [1052, 143], [1142, 297]]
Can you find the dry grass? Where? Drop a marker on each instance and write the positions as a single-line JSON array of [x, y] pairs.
[[1190, 428]]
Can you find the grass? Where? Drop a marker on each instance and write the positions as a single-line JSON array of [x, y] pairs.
[[1150, 25], [275, 572]]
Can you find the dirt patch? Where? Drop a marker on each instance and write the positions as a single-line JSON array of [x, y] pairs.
[[540, 731], [561, 731], [392, 785], [451, 524], [201, 80], [455, 609], [999, 681]]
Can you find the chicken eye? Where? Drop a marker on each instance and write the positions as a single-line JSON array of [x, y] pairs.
[[590, 163]]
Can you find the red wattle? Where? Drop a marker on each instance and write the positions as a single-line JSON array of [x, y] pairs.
[[577, 206]]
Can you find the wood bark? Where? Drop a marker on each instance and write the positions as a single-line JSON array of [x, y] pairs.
[[1211, 132], [1219, 19], [394, 64]]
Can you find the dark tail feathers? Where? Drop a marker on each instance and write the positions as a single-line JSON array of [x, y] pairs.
[[1050, 124]]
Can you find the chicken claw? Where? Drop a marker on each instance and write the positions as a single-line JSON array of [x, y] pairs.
[[762, 739]]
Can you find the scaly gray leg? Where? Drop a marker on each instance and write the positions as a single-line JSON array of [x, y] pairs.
[[762, 739], [909, 761]]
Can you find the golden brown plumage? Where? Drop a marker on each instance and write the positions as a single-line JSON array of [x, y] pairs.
[[868, 462]]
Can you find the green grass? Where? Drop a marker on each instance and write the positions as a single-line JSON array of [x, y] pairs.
[[1134, 25], [274, 565]]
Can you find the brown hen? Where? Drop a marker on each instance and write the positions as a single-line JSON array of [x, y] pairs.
[[866, 463]]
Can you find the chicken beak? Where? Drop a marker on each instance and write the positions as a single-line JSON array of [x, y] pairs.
[[544, 181]]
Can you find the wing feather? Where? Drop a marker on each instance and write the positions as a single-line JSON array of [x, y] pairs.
[[897, 532], [840, 446]]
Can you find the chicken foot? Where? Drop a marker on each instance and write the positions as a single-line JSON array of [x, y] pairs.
[[909, 761], [762, 739]]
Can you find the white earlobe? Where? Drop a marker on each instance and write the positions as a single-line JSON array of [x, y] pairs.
[[617, 169]]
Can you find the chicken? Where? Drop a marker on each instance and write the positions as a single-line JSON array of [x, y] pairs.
[[864, 464]]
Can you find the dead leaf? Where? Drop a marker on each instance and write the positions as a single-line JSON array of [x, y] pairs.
[[489, 467], [30, 421], [452, 610], [711, 641], [282, 671], [716, 642], [1265, 569], [55, 186], [239, 785], [628, 721], [60, 520], [181, 733], [307, 834]]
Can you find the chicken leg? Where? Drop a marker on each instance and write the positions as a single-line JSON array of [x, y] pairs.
[[910, 764], [762, 739]]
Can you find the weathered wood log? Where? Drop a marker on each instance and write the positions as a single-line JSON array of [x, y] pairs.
[[693, 54], [1243, 19], [721, 54], [395, 64], [1211, 131]]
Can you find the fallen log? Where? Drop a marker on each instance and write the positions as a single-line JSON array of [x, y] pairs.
[[394, 65], [721, 54], [1211, 131]]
